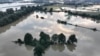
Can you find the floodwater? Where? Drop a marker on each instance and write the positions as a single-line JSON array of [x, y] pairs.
[[88, 40]]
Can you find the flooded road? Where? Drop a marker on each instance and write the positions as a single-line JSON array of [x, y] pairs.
[[88, 40]]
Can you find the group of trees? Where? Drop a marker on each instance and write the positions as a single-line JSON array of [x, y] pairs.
[[45, 41], [12, 15], [65, 23], [58, 39], [61, 39], [7, 12]]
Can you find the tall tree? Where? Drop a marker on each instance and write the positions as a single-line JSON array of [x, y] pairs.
[[61, 38], [28, 39], [44, 39], [72, 39], [55, 38], [44, 36], [51, 10]]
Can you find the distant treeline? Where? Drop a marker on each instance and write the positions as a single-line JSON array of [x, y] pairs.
[[10, 15], [4, 2], [93, 17]]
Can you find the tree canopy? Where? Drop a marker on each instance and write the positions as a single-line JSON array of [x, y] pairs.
[[72, 39], [28, 39]]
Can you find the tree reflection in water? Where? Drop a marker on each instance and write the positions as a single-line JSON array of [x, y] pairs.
[[55, 47], [58, 47], [61, 47], [17, 43], [71, 47], [28, 47]]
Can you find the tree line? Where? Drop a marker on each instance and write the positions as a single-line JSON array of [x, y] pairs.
[[11, 15], [66, 23], [93, 17], [45, 41]]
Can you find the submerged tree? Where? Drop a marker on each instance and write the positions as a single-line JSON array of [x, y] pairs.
[[61, 38], [44, 39], [38, 50], [61, 22], [28, 39], [54, 38], [44, 36], [72, 39], [45, 9], [34, 42], [51, 10]]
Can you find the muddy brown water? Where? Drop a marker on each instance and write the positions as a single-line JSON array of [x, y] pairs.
[[88, 40]]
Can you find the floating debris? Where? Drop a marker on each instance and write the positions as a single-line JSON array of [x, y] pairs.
[[37, 16], [19, 41], [94, 29], [42, 17]]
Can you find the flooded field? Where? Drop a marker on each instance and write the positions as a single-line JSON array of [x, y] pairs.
[[88, 40]]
